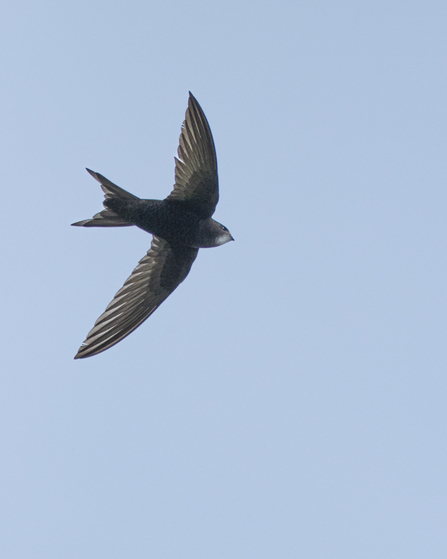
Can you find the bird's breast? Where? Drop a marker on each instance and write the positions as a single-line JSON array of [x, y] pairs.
[[169, 220]]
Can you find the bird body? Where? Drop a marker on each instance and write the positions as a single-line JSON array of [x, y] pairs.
[[180, 224], [172, 220]]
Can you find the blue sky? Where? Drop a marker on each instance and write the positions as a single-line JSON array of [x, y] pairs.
[[288, 400]]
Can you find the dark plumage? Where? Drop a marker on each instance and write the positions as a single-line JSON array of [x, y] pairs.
[[180, 225]]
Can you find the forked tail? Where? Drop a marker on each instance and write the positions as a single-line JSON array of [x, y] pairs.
[[107, 218]]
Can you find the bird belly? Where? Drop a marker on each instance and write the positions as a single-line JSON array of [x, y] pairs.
[[168, 221]]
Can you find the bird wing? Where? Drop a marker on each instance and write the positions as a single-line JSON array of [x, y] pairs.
[[156, 276], [196, 166]]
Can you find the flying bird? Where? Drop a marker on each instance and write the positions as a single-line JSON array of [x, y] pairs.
[[180, 225]]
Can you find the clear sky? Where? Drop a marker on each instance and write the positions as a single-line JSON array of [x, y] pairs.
[[289, 399]]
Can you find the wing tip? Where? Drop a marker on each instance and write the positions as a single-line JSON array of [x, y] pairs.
[[84, 352], [192, 101], [79, 354]]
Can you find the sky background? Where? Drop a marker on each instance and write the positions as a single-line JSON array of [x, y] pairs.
[[289, 399]]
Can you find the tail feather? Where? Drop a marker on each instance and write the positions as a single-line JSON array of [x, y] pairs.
[[107, 218], [111, 190]]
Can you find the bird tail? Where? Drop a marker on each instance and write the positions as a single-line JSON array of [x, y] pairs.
[[107, 218]]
